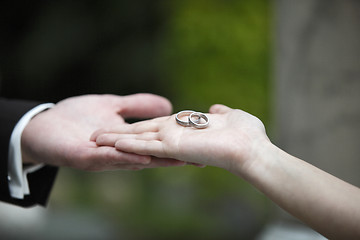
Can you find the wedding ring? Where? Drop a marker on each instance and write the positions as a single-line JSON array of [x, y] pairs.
[[182, 114], [197, 123]]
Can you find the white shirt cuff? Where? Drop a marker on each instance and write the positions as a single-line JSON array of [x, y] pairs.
[[17, 176]]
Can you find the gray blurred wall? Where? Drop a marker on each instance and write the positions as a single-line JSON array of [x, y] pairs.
[[317, 84]]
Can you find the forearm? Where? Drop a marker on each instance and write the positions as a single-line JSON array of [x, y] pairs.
[[326, 203]]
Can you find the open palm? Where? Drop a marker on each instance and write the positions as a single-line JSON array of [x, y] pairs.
[[61, 136], [162, 137]]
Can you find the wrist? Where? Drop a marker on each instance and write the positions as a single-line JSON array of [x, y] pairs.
[[252, 163], [26, 159], [27, 134]]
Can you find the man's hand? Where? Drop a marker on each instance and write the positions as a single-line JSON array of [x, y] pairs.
[[61, 136]]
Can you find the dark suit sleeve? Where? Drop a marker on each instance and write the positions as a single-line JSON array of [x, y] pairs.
[[41, 181]]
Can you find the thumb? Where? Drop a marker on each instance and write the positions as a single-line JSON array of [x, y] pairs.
[[219, 108], [144, 105]]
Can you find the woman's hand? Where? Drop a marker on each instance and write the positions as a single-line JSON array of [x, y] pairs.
[[230, 141]]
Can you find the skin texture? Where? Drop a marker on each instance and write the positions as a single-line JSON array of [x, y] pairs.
[[237, 141], [61, 136]]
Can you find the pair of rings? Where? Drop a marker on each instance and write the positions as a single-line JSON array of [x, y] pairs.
[[194, 119]]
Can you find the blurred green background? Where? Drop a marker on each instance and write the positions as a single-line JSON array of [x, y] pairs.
[[195, 53]]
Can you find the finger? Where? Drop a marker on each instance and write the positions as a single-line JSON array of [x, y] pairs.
[[219, 108], [196, 164], [111, 156], [142, 147], [104, 158], [164, 162], [109, 139], [135, 128], [97, 133], [145, 126], [144, 106], [155, 163]]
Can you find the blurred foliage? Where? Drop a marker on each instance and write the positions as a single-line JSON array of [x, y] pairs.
[[196, 53], [218, 52]]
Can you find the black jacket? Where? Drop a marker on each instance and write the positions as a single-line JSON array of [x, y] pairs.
[[41, 181]]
